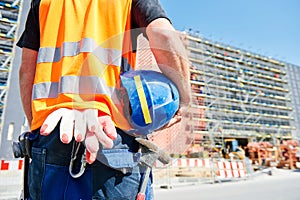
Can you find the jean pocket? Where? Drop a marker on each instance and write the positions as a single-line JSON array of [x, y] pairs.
[[58, 184], [36, 172], [118, 158]]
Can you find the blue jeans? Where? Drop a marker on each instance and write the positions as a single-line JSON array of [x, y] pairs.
[[116, 175]]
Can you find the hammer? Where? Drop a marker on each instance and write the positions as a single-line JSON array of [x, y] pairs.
[[150, 153]]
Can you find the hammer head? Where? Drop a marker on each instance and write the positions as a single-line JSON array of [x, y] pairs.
[[154, 153]]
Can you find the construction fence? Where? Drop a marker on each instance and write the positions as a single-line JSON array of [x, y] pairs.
[[196, 170]]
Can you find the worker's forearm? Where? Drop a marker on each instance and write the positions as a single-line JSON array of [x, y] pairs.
[[26, 78], [171, 56]]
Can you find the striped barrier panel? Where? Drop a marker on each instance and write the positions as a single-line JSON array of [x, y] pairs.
[[230, 169], [9, 165], [186, 162]]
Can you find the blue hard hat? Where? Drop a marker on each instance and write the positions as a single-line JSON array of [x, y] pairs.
[[153, 98]]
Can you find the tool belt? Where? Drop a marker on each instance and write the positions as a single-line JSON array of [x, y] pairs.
[[120, 159], [22, 148]]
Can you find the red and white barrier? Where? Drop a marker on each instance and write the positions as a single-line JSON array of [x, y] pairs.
[[187, 162], [9, 165], [190, 162], [242, 167], [230, 169]]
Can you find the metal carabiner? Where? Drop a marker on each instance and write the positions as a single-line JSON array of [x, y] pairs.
[[74, 157]]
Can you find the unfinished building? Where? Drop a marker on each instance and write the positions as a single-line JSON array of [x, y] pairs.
[[237, 94]]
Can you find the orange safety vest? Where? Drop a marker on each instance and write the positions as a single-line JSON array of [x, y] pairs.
[[82, 46]]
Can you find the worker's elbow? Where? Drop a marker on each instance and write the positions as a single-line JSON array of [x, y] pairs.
[[22, 70], [160, 29]]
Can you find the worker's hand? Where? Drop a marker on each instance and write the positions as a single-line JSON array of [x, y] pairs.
[[85, 125], [99, 129], [72, 122]]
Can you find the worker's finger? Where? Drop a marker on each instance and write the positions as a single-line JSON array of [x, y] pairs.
[[67, 126], [105, 141], [93, 125], [51, 121], [90, 158], [176, 119], [92, 147], [91, 117], [79, 126], [108, 126], [182, 109]]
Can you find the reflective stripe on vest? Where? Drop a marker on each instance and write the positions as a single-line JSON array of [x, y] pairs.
[[72, 85], [86, 45]]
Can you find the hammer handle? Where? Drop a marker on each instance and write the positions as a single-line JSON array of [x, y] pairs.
[[141, 194]]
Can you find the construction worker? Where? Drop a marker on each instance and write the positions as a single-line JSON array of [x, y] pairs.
[[73, 53]]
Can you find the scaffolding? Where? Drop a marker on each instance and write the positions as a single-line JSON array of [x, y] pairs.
[[9, 12], [237, 94], [294, 86]]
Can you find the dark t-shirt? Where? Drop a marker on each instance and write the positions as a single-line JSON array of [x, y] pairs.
[[143, 13]]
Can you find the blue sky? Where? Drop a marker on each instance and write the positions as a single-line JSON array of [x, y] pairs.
[[268, 27]]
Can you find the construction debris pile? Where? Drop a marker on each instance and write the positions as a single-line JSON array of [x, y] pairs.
[[281, 155], [288, 154]]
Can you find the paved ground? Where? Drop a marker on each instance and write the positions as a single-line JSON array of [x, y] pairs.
[[10, 184], [281, 185]]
